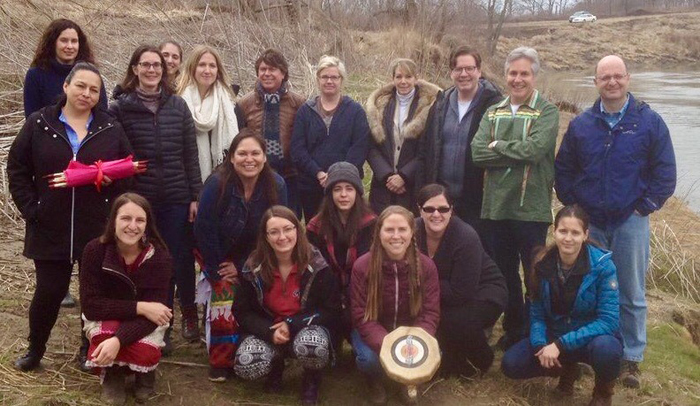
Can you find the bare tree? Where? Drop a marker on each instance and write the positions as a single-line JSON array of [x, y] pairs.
[[496, 12]]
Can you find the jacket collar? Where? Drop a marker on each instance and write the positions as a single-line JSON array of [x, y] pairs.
[[632, 114], [113, 259], [530, 103], [425, 95], [547, 267], [50, 114]]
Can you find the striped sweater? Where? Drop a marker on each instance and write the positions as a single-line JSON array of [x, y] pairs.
[[519, 171]]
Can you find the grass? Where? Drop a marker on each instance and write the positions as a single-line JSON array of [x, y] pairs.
[[672, 365]]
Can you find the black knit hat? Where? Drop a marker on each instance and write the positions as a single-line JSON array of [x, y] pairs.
[[344, 172]]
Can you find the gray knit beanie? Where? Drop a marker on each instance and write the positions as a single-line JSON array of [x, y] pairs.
[[344, 172]]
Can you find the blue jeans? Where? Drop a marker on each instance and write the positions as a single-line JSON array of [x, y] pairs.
[[173, 226], [629, 243], [367, 360], [603, 353]]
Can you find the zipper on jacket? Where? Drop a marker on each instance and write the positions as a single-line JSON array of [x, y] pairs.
[[123, 277], [396, 294], [75, 158]]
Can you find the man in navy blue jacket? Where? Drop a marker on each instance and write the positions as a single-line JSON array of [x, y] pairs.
[[617, 162]]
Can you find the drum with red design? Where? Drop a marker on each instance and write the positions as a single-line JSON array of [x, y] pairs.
[[410, 355]]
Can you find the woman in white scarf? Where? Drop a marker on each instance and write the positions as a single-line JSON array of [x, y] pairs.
[[205, 86]]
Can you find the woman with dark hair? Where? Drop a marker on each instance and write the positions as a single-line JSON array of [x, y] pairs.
[[172, 53], [397, 114], [574, 313], [60, 221], [473, 291], [392, 285], [269, 111], [232, 203], [62, 44], [124, 282], [288, 301], [342, 231], [205, 86], [160, 128]]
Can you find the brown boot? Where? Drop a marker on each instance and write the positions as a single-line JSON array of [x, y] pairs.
[[190, 323], [602, 393], [113, 392], [144, 387], [569, 375]]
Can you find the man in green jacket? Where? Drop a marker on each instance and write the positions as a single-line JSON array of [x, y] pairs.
[[515, 144]]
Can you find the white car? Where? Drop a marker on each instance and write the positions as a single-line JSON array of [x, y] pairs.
[[582, 17]]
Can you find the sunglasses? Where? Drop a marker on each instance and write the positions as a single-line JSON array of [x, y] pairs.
[[441, 210]]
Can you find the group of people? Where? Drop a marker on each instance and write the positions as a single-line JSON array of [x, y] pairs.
[[460, 198]]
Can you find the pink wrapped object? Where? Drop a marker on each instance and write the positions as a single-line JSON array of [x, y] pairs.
[[78, 174]]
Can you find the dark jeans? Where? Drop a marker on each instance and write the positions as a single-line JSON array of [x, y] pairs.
[[52, 281], [176, 230], [366, 359], [464, 345], [603, 353], [513, 243], [310, 201]]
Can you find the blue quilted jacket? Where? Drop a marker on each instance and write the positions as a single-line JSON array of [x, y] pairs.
[[596, 310]]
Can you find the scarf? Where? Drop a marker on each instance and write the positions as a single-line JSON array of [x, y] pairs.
[[149, 99], [215, 124], [403, 105], [271, 125]]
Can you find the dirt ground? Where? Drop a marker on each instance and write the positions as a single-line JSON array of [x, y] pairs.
[[182, 378]]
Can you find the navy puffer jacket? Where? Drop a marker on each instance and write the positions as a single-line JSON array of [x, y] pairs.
[[167, 140]]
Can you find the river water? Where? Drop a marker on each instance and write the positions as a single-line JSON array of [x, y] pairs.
[[676, 97]]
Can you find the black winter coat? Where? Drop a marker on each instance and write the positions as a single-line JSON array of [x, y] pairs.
[[320, 298], [167, 140], [467, 274], [60, 219], [468, 206]]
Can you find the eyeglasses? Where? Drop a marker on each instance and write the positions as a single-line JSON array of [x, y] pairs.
[[148, 65], [276, 233], [468, 69], [326, 78], [607, 78], [441, 210]]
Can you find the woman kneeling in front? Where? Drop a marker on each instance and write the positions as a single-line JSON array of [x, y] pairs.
[[392, 285], [574, 315], [124, 282], [288, 301]]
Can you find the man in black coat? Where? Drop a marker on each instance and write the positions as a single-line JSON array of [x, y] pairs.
[[445, 152]]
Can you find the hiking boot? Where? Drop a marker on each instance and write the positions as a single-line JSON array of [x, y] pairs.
[[144, 386], [408, 394], [167, 349], [309, 387], [569, 375], [28, 362], [273, 384], [219, 374], [602, 393], [82, 359], [190, 323], [377, 391], [630, 376], [68, 301], [113, 386]]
